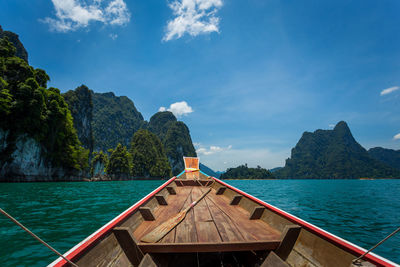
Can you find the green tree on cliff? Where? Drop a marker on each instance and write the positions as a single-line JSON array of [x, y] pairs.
[[119, 163], [148, 156]]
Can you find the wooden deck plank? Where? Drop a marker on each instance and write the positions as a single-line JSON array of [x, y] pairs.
[[186, 230], [205, 226], [163, 213], [251, 229], [169, 238], [213, 219], [208, 247], [207, 232], [226, 229], [233, 220], [201, 211]]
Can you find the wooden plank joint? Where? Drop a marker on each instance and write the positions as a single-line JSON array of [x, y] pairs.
[[221, 190], [236, 199], [171, 190], [257, 213], [146, 214], [289, 238], [128, 245], [161, 200]]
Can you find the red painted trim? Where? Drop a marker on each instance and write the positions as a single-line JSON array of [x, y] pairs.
[[81, 249], [323, 234]]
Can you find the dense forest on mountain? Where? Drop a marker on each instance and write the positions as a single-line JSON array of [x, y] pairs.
[[148, 156], [389, 156], [333, 154], [145, 159], [28, 107], [244, 172], [115, 119]]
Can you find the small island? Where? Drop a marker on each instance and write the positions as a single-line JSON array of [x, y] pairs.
[[244, 172]]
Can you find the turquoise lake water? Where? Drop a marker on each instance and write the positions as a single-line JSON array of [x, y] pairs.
[[63, 214]]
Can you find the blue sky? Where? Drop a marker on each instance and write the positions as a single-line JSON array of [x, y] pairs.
[[254, 74]]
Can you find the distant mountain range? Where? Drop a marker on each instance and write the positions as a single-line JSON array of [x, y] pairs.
[[389, 156], [335, 154], [209, 171]]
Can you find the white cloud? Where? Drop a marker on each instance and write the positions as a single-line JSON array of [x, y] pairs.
[[74, 14], [331, 125], [389, 90], [193, 17], [211, 150], [117, 13], [396, 137], [196, 144], [113, 36], [178, 108]]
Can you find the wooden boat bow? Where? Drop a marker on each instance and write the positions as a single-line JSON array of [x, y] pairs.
[[197, 219]]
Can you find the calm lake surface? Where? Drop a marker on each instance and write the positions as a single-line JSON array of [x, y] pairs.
[[63, 214]]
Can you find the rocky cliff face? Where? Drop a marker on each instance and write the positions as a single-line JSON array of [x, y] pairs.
[[81, 106], [27, 162], [333, 154], [98, 169], [176, 138], [14, 39]]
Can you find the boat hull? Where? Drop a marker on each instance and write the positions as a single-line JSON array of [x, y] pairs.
[[312, 246]]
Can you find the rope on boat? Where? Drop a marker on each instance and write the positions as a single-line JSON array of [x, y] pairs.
[[386, 238], [36, 237]]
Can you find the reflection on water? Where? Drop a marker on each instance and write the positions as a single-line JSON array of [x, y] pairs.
[[63, 214]]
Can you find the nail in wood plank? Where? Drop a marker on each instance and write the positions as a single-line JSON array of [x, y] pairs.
[[289, 238], [146, 214], [161, 200], [273, 260], [257, 213], [128, 245], [236, 199], [171, 190], [221, 190]]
